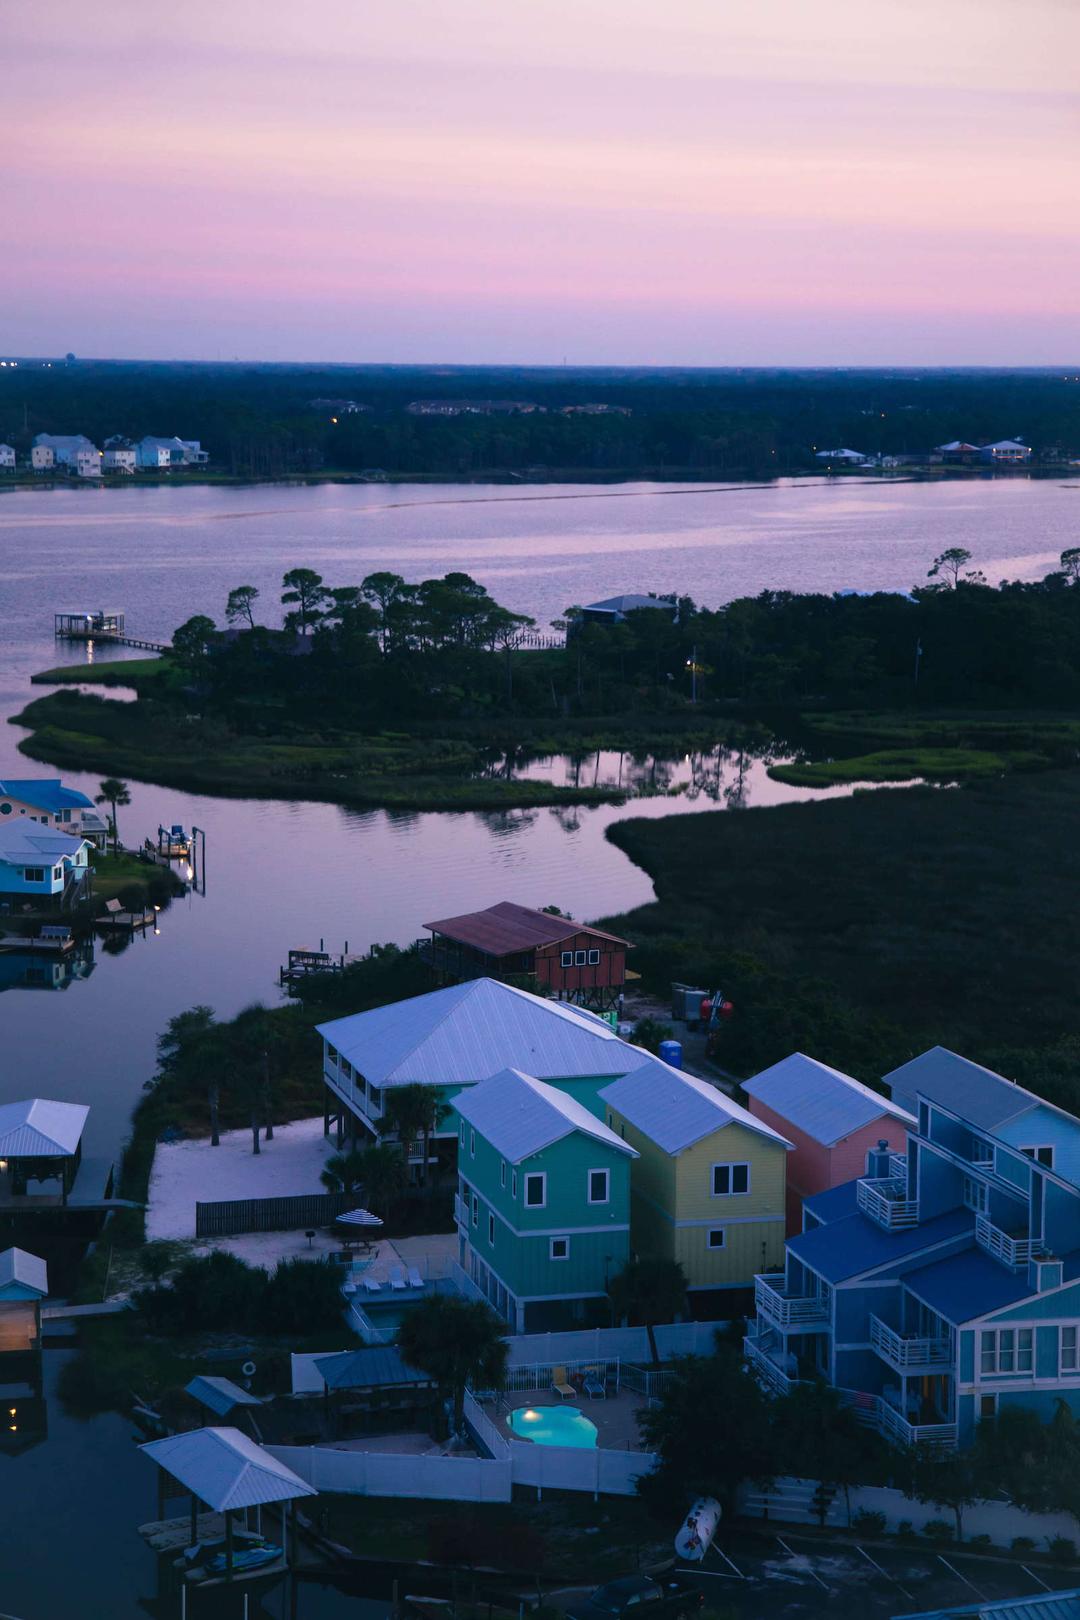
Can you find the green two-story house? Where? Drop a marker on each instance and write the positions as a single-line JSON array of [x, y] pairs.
[[543, 1205]]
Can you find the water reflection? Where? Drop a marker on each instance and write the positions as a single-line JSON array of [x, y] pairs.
[[27, 970]]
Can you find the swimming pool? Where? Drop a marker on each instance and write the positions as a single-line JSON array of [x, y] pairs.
[[553, 1426]]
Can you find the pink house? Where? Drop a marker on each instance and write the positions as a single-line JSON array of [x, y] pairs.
[[832, 1119]]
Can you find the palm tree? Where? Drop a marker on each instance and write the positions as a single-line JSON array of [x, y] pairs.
[[413, 1111], [114, 792], [379, 1171], [649, 1290], [191, 1044], [456, 1342]]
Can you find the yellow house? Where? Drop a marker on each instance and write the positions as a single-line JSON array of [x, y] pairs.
[[708, 1186]]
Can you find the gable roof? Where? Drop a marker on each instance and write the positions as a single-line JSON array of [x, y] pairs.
[[675, 1110], [628, 604], [219, 1395], [506, 928], [225, 1469], [978, 1095], [462, 1034], [25, 842], [520, 1115], [970, 1284], [40, 1129], [378, 1367], [825, 1103], [44, 793], [22, 1275]]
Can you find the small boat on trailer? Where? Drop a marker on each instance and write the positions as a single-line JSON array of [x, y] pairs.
[[698, 1529]]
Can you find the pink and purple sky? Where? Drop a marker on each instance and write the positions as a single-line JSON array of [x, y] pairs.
[[656, 182]]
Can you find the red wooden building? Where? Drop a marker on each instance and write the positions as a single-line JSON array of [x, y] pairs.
[[567, 959]]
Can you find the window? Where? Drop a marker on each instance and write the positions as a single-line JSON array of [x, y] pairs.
[[475, 1210], [491, 1230], [58, 871], [34, 874], [579, 958], [730, 1179], [594, 958], [559, 1249], [567, 958], [513, 1183], [1067, 1359], [472, 1144], [599, 1186], [535, 1189], [463, 1133], [975, 1195], [1005, 1350], [502, 1172], [1041, 1155], [346, 1068], [988, 1406], [716, 1237], [331, 1056], [375, 1098]]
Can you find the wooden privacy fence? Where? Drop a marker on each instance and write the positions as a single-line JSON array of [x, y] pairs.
[[233, 1215]]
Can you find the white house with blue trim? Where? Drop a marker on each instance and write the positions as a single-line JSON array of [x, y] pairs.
[[38, 863], [944, 1285]]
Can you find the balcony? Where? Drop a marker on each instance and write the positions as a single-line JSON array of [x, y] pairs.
[[887, 1203], [904, 1351], [461, 1210], [792, 1312], [1003, 1246], [769, 1371], [894, 1426]]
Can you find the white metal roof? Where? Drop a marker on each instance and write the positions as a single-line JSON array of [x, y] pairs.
[[520, 1115], [225, 1469], [674, 1109], [462, 1034], [28, 842], [976, 1094], [38, 1128], [825, 1103], [22, 1274]]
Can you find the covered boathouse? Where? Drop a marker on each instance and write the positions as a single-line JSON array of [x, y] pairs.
[[567, 959]]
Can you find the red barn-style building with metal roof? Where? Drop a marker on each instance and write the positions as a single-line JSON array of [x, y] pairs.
[[568, 959]]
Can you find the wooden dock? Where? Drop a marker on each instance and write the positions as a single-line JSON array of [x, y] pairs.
[[46, 945], [113, 917], [101, 626], [303, 962]]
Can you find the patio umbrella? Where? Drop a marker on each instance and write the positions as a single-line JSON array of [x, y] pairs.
[[357, 1217]]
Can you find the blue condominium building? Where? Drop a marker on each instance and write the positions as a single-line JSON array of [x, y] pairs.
[[944, 1285]]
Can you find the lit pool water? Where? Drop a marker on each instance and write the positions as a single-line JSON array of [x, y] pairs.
[[553, 1426]]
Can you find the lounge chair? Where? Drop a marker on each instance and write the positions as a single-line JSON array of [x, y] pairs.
[[563, 1388], [372, 1285], [397, 1279], [594, 1384], [415, 1279]]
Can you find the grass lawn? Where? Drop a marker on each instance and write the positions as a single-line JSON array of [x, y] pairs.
[[116, 875], [906, 764], [951, 914], [137, 672]]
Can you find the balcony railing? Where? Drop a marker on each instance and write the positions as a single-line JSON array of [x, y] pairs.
[[905, 1351], [787, 1310], [770, 1373], [895, 1427], [887, 1203], [461, 1210], [1011, 1251]]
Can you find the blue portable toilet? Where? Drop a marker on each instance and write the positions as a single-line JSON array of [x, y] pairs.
[[671, 1052]]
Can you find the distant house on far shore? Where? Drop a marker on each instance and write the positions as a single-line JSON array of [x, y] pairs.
[[7, 458], [1006, 450], [852, 458], [613, 609]]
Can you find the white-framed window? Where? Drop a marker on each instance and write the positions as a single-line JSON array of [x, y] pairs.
[[502, 1172], [730, 1180], [491, 1230], [717, 1239], [580, 958], [331, 1055], [559, 1248], [1068, 1350], [463, 1133], [513, 1183], [566, 958], [594, 958], [975, 1195], [599, 1186], [1041, 1155], [472, 1144], [1006, 1350], [535, 1189], [475, 1210]]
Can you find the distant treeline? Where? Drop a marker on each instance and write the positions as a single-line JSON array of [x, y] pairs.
[[259, 421], [386, 651]]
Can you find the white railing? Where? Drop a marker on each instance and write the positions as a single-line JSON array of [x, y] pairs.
[[768, 1371], [788, 1310], [540, 1374], [617, 1343], [895, 1426], [465, 1284], [1010, 1251], [886, 1202], [898, 1167], [905, 1350], [484, 1429], [461, 1210]]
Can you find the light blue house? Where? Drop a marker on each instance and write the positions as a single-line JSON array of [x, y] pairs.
[[543, 1205], [38, 864], [944, 1285]]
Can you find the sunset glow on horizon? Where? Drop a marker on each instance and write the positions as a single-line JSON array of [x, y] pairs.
[[851, 182]]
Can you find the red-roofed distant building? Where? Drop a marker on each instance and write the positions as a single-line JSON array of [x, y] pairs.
[[507, 941]]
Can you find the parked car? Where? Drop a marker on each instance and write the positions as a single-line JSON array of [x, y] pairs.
[[639, 1595]]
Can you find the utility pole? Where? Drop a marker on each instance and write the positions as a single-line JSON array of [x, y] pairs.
[[918, 657]]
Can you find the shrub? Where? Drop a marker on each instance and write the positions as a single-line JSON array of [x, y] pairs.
[[981, 1540], [1023, 1544], [905, 1530], [649, 1032], [1062, 1549], [869, 1522], [216, 1293], [937, 1530], [302, 1296]]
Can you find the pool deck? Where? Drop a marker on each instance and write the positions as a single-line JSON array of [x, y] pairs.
[[615, 1418]]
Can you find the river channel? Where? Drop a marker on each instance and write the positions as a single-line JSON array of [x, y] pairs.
[[281, 873]]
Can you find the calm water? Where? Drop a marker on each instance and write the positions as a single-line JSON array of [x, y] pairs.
[[282, 874]]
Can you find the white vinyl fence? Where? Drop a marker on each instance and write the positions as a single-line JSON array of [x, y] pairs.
[[609, 1344]]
